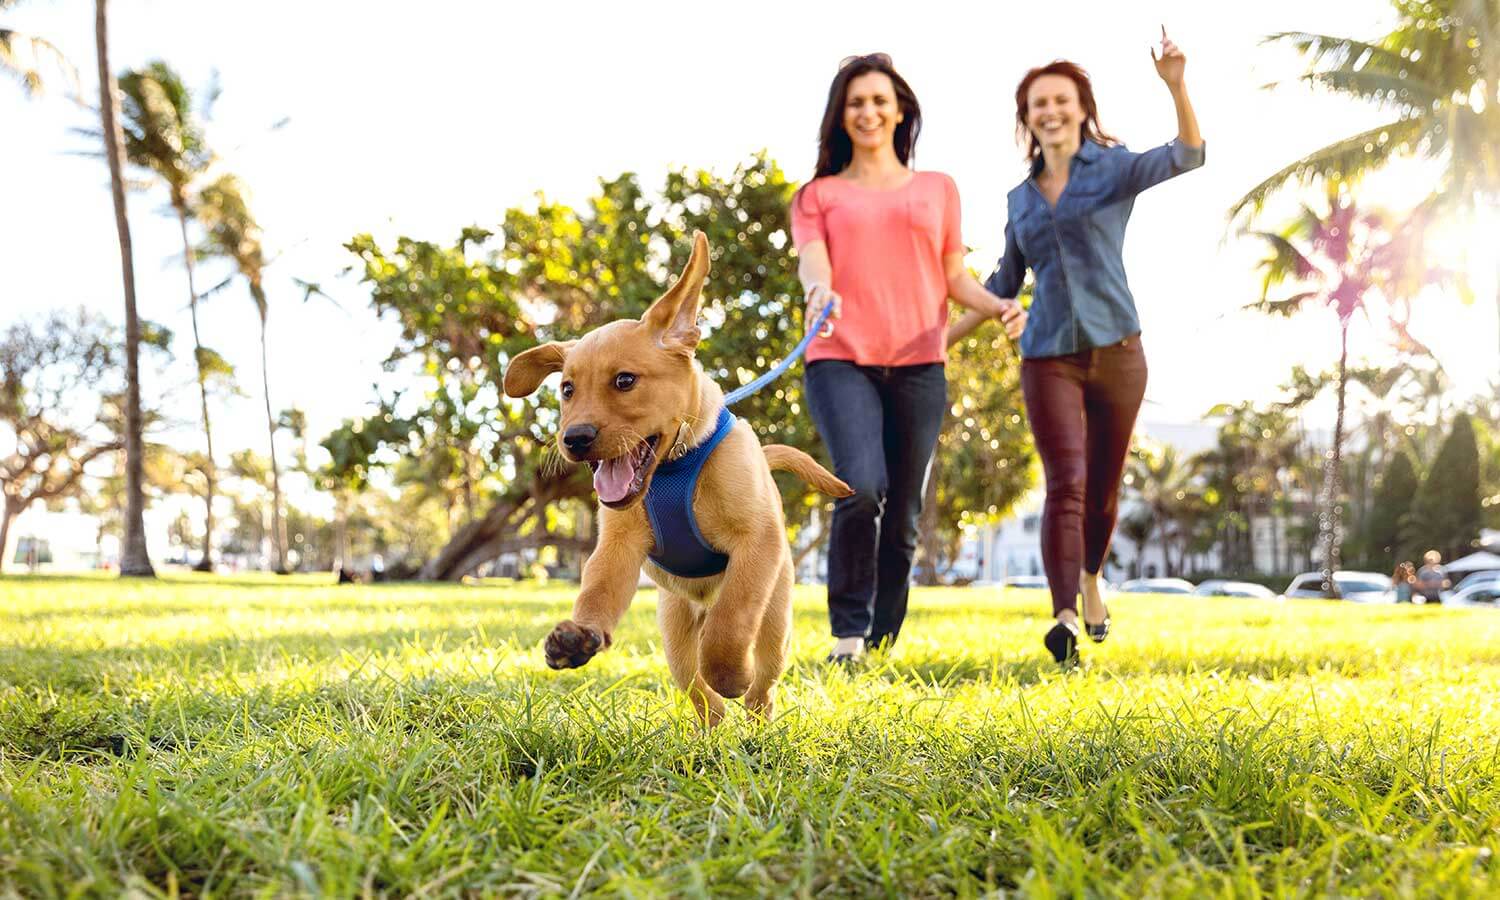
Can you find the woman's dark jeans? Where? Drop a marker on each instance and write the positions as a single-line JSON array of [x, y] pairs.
[[880, 424], [1082, 408]]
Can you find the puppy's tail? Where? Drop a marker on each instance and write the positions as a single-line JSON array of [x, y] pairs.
[[790, 459]]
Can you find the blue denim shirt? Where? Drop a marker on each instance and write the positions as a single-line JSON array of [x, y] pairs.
[[1081, 299]]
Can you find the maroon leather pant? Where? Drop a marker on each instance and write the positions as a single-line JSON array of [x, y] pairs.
[[1082, 408]]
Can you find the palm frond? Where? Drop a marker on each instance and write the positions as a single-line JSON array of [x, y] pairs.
[[1287, 307], [1343, 160], [1286, 262], [1337, 51], [25, 57], [1327, 52], [1406, 94]]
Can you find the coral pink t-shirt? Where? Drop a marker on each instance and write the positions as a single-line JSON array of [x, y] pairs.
[[887, 250]]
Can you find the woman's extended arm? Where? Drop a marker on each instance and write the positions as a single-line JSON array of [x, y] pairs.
[[966, 291], [815, 271]]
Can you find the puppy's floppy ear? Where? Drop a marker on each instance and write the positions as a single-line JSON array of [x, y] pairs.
[[526, 371], [674, 317]]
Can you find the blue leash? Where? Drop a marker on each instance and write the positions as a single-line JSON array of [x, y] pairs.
[[744, 391]]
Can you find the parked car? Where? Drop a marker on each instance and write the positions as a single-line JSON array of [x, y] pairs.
[[1476, 578], [1218, 587], [1359, 587], [1026, 582], [1156, 586], [1484, 593]]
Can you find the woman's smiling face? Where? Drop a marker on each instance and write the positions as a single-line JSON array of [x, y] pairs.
[[871, 111], [1053, 112]]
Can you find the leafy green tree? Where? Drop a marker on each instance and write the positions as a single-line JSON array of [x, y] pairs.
[[233, 235], [1382, 544], [1436, 74], [1485, 415], [556, 272], [1446, 514], [54, 409]]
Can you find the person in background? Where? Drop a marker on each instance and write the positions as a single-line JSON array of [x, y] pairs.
[[1402, 580], [1432, 578]]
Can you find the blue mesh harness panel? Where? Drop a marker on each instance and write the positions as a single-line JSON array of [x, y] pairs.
[[680, 548]]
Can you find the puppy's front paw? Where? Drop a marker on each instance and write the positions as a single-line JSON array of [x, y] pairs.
[[570, 645]]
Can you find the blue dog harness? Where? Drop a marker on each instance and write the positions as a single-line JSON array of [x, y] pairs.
[[680, 547]]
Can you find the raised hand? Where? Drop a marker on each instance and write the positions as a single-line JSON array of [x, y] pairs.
[[1170, 62]]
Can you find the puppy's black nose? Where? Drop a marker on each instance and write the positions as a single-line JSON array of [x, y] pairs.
[[579, 439]]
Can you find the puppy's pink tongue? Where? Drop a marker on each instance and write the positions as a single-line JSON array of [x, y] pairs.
[[613, 478]]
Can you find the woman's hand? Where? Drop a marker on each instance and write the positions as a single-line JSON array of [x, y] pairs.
[[1013, 316], [818, 296], [1171, 63]]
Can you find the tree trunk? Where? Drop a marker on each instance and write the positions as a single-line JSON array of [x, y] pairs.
[[585, 531], [135, 561], [1331, 520], [469, 545], [1275, 520], [278, 524], [210, 473], [341, 530], [8, 513]]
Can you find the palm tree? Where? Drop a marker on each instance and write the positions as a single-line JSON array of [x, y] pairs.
[[1337, 260], [1163, 483], [26, 58], [1436, 73], [163, 137], [233, 235], [1135, 528], [134, 558]]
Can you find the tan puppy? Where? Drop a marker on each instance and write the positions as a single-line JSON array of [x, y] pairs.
[[632, 394]]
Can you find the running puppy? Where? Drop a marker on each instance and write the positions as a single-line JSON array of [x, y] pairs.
[[684, 489]]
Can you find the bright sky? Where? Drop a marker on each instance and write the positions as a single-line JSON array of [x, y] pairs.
[[421, 119]]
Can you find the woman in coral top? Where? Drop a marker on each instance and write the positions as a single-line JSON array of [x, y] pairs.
[[879, 242]]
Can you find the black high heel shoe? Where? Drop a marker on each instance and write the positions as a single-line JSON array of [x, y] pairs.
[[1100, 631], [1062, 641]]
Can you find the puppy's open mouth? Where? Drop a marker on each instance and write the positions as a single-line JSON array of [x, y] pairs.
[[621, 480]]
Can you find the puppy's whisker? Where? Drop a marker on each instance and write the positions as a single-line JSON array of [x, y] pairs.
[[554, 463]]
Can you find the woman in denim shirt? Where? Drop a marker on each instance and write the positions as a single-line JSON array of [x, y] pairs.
[[1083, 371]]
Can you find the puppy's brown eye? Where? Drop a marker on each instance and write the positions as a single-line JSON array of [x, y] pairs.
[[624, 381], [566, 390]]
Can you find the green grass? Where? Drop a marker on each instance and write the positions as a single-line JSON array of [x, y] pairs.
[[240, 736]]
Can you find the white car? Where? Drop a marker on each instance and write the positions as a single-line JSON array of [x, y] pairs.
[[1220, 588], [1156, 586], [1484, 592], [1359, 587]]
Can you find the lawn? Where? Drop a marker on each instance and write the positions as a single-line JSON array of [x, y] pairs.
[[243, 735]]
